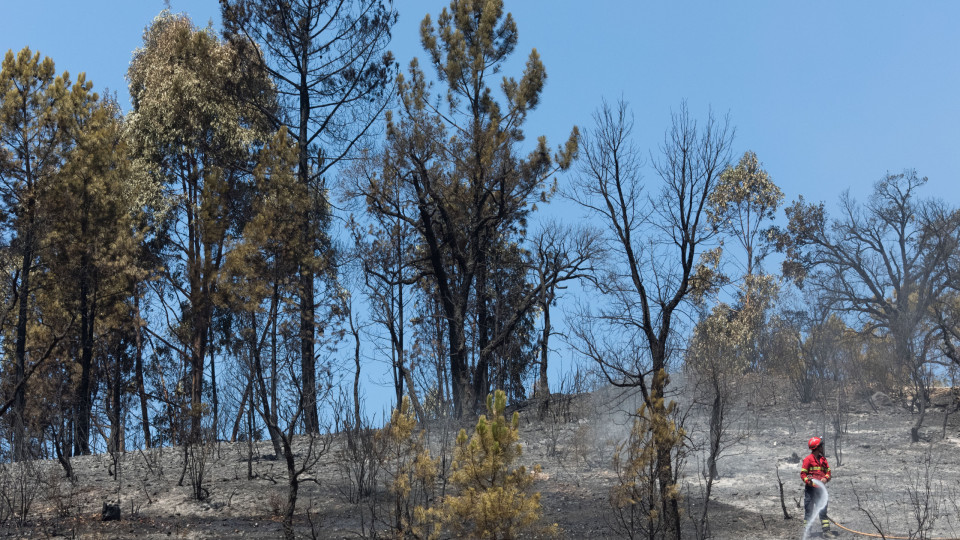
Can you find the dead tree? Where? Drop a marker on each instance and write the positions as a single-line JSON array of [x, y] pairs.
[[884, 264], [655, 242]]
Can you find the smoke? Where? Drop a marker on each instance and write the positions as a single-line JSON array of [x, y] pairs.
[[819, 504]]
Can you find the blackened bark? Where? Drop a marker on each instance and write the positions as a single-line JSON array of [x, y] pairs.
[[138, 369], [281, 445], [308, 364], [459, 372], [670, 505], [922, 410], [214, 398], [81, 439], [257, 378], [716, 431], [20, 452], [356, 374], [453, 302], [241, 412], [481, 375], [274, 306], [293, 488], [116, 410], [544, 386], [87, 316]]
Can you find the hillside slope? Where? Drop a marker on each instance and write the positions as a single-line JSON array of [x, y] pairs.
[[882, 482]]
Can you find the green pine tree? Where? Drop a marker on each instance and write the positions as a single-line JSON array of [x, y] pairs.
[[494, 499], [32, 146], [91, 252], [454, 169]]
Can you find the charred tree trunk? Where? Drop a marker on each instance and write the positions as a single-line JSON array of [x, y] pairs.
[[308, 365], [670, 505], [256, 377], [274, 306], [214, 398], [311, 420], [356, 374], [20, 452], [481, 375], [81, 439], [282, 447], [544, 386], [716, 432], [87, 316], [459, 371], [117, 442], [138, 368], [921, 404], [241, 412]]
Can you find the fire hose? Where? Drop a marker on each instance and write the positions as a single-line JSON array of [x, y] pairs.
[[822, 503], [887, 536]]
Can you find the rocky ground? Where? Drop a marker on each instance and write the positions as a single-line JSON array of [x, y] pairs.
[[883, 484]]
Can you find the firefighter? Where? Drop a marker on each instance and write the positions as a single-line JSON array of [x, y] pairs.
[[815, 467]]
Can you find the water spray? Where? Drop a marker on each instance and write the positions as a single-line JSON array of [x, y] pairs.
[[820, 503]]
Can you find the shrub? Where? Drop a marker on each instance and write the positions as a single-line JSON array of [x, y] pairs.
[[411, 470], [494, 499]]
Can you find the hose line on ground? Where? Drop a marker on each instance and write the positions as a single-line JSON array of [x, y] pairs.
[[886, 536]]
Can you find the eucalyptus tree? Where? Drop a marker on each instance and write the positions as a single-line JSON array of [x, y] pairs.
[[726, 342], [196, 123], [722, 349], [745, 197], [884, 264], [655, 265], [329, 64], [730, 340], [742, 207], [464, 185]]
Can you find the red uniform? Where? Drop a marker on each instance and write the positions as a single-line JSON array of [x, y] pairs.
[[814, 468]]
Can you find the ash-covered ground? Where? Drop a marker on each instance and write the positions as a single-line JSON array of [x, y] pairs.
[[883, 484]]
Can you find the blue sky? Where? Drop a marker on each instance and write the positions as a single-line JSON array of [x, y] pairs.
[[830, 95]]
